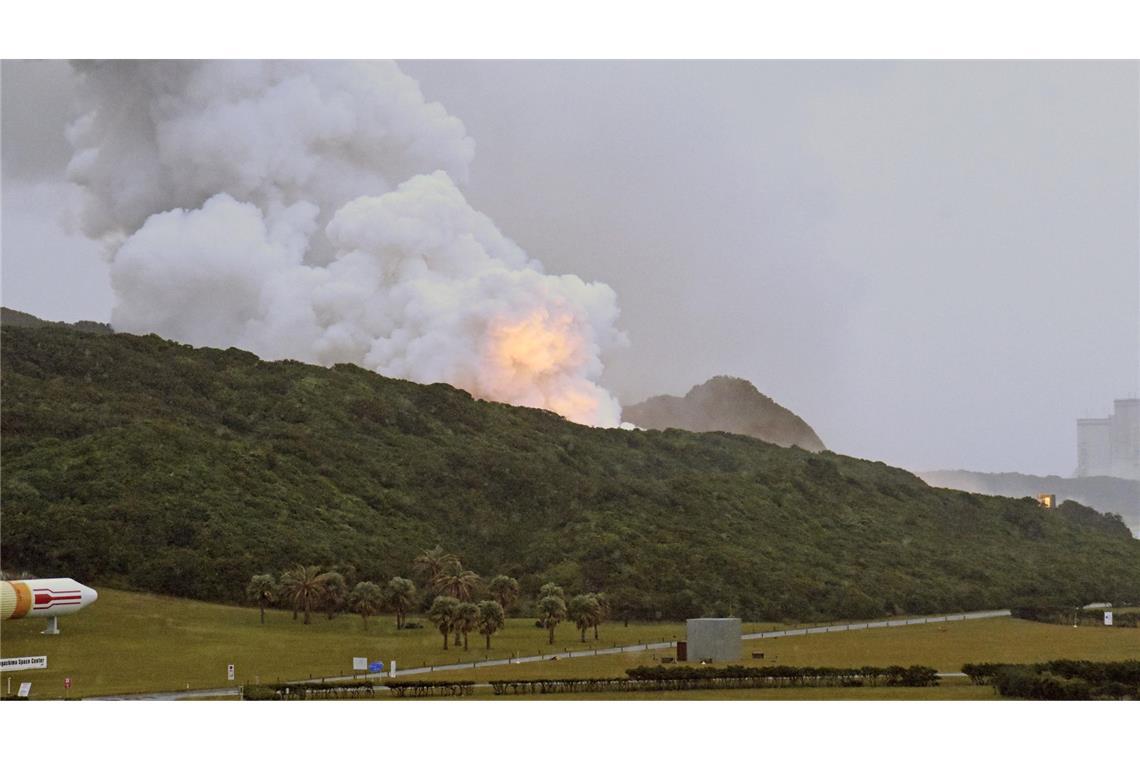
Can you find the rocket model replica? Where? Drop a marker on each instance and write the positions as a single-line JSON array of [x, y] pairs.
[[44, 597]]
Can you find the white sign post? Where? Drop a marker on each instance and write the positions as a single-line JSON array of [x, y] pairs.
[[25, 687], [392, 672], [230, 672], [360, 663], [1108, 618]]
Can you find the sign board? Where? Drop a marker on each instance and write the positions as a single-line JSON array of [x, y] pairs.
[[392, 670], [67, 682], [25, 687], [1108, 618], [360, 663], [230, 672], [375, 667], [23, 663]]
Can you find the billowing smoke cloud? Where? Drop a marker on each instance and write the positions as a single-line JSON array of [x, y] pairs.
[[309, 210]]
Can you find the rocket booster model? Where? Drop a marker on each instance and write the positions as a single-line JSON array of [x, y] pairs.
[[43, 597]]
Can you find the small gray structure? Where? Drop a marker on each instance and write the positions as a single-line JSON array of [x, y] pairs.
[[713, 639]]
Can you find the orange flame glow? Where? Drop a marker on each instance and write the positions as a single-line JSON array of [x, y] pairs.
[[538, 361], [537, 345]]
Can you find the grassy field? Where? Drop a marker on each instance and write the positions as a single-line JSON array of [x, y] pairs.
[[945, 647], [137, 643], [129, 642]]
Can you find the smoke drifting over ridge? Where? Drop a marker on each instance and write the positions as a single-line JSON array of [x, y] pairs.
[[309, 210]]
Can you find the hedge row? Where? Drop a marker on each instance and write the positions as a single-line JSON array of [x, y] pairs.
[[786, 675], [1060, 679], [733, 677], [282, 691], [432, 688]]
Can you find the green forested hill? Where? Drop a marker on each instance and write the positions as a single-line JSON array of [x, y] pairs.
[[141, 463]]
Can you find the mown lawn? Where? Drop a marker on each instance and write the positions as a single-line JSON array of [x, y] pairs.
[[945, 647], [128, 642]]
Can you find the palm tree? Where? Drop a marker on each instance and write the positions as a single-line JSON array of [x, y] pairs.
[[304, 586], [431, 562], [262, 589], [442, 613], [551, 612], [366, 599], [466, 619], [584, 610], [401, 597], [283, 587], [453, 580], [552, 589], [603, 611], [336, 593], [505, 589], [491, 618]]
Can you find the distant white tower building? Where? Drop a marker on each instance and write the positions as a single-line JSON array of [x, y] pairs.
[[1094, 446], [1111, 445]]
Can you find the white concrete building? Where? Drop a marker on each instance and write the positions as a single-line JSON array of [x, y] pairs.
[[1111, 445]]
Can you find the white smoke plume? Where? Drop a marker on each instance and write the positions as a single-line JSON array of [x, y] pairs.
[[309, 210]]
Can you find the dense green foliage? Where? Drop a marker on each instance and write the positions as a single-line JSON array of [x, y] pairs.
[[661, 678], [23, 319], [1100, 492], [141, 463], [281, 691], [788, 675], [432, 688], [1060, 679]]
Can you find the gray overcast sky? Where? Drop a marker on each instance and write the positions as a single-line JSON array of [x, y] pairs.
[[936, 264]]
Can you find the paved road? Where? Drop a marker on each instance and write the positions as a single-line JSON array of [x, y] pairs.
[[472, 666]]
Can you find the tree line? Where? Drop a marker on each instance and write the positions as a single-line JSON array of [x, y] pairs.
[[455, 608], [1060, 679]]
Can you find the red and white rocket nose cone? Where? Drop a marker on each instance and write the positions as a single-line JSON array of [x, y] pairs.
[[43, 597], [86, 595]]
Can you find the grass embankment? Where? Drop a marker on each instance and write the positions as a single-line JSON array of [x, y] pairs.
[[128, 643]]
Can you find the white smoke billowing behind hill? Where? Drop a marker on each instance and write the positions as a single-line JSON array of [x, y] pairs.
[[309, 210]]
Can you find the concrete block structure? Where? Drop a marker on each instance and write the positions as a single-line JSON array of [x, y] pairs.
[[713, 639], [1111, 445]]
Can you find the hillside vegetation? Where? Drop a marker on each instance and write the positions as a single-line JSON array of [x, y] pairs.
[[144, 464], [727, 405], [1104, 494], [23, 319]]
